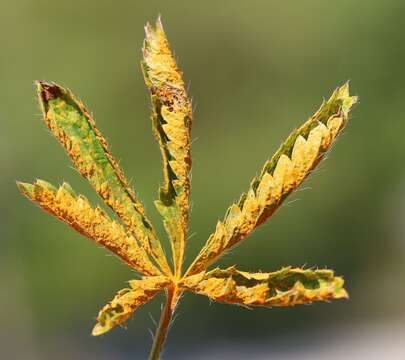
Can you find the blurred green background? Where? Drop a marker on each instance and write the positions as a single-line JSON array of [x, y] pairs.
[[256, 70]]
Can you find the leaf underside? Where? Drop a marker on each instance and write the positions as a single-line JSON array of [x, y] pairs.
[[283, 173], [171, 123], [72, 125], [91, 222], [286, 287], [127, 301]]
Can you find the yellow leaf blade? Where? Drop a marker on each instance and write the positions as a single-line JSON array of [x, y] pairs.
[[283, 173], [171, 120], [127, 301], [91, 222], [286, 287], [74, 127]]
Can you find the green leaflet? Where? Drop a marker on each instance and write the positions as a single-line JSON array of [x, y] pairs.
[[171, 121], [75, 129], [282, 174], [286, 287]]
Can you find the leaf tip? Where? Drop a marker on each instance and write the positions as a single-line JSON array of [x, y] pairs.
[[99, 330], [148, 29], [25, 188], [343, 93], [47, 91], [159, 24], [340, 292], [344, 294]]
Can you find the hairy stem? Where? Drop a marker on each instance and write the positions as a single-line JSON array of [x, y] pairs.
[[172, 295]]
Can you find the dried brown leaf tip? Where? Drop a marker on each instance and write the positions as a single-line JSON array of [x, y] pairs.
[[130, 235]]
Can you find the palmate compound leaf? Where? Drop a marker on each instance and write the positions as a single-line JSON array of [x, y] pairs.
[[137, 244], [286, 287], [171, 121], [283, 173], [91, 222], [127, 301], [72, 124]]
